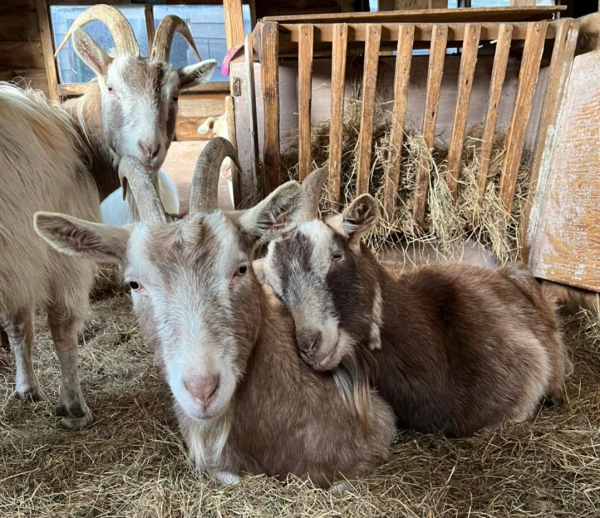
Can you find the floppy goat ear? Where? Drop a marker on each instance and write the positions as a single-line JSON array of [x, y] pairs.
[[359, 217], [90, 53], [197, 73], [273, 216], [72, 236]]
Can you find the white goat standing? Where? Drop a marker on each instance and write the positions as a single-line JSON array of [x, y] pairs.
[[65, 158]]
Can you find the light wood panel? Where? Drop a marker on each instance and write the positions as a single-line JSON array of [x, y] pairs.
[[305, 61]]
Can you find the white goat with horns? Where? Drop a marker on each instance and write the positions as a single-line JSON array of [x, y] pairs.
[[65, 158]]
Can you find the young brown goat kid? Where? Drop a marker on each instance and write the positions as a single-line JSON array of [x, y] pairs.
[[245, 402], [458, 348]]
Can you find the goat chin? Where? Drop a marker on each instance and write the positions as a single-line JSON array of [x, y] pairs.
[[115, 210]]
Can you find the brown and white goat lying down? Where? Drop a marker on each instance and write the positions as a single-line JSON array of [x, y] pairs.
[[246, 403], [458, 348]]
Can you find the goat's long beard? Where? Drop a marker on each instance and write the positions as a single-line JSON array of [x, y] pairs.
[[353, 378]]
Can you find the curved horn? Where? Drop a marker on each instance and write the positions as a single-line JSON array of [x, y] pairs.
[[134, 176], [119, 27], [169, 25], [205, 185], [312, 186]]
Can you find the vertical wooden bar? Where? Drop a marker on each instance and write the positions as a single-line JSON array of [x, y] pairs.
[[437, 53], [528, 76], [251, 93], [368, 107], [150, 30], [235, 172], [234, 22], [305, 64], [43, 13], [270, 85], [338, 74], [489, 127], [558, 77], [461, 113], [406, 36]]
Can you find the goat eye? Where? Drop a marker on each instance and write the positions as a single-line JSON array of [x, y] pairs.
[[135, 286], [175, 98], [111, 89], [336, 256], [242, 270]]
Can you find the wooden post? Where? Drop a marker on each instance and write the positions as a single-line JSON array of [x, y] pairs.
[[235, 172], [245, 192], [234, 22], [528, 76], [270, 85], [48, 48], [368, 108], [305, 64], [554, 95], [406, 35], [437, 53], [338, 74], [461, 113], [489, 127]]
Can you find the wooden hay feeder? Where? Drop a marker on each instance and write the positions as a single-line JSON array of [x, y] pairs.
[[511, 72]]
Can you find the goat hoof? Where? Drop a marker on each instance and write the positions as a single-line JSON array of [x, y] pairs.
[[29, 394], [74, 416]]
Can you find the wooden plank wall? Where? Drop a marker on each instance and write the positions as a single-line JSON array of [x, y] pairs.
[[21, 53]]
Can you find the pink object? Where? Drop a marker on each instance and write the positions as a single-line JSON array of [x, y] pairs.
[[231, 53]]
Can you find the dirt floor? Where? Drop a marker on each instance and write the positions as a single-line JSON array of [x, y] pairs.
[[131, 460]]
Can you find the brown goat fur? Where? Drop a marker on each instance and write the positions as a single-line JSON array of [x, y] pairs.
[[458, 348], [197, 299]]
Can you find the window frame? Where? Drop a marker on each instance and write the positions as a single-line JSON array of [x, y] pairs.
[[60, 90]]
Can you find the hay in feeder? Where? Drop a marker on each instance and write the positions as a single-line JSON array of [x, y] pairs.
[[449, 223]]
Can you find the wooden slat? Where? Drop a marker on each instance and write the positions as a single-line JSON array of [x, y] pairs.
[[193, 111], [305, 61], [234, 22], [235, 173], [47, 48], [474, 14], [437, 54], [401, 78], [468, 61], [554, 95], [368, 108], [357, 33], [19, 26], [248, 190], [489, 127], [270, 86], [528, 76], [338, 74]]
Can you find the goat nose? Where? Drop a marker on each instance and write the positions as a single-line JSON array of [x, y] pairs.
[[149, 149], [308, 341], [203, 389]]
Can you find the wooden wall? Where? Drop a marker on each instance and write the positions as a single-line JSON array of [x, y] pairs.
[[20, 46]]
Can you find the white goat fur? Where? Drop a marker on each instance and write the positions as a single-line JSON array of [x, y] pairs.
[[116, 211], [41, 168]]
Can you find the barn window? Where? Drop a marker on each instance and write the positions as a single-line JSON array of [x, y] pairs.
[[206, 22]]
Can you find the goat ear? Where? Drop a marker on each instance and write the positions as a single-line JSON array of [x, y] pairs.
[[197, 73], [90, 53], [72, 236], [274, 215], [360, 217]]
